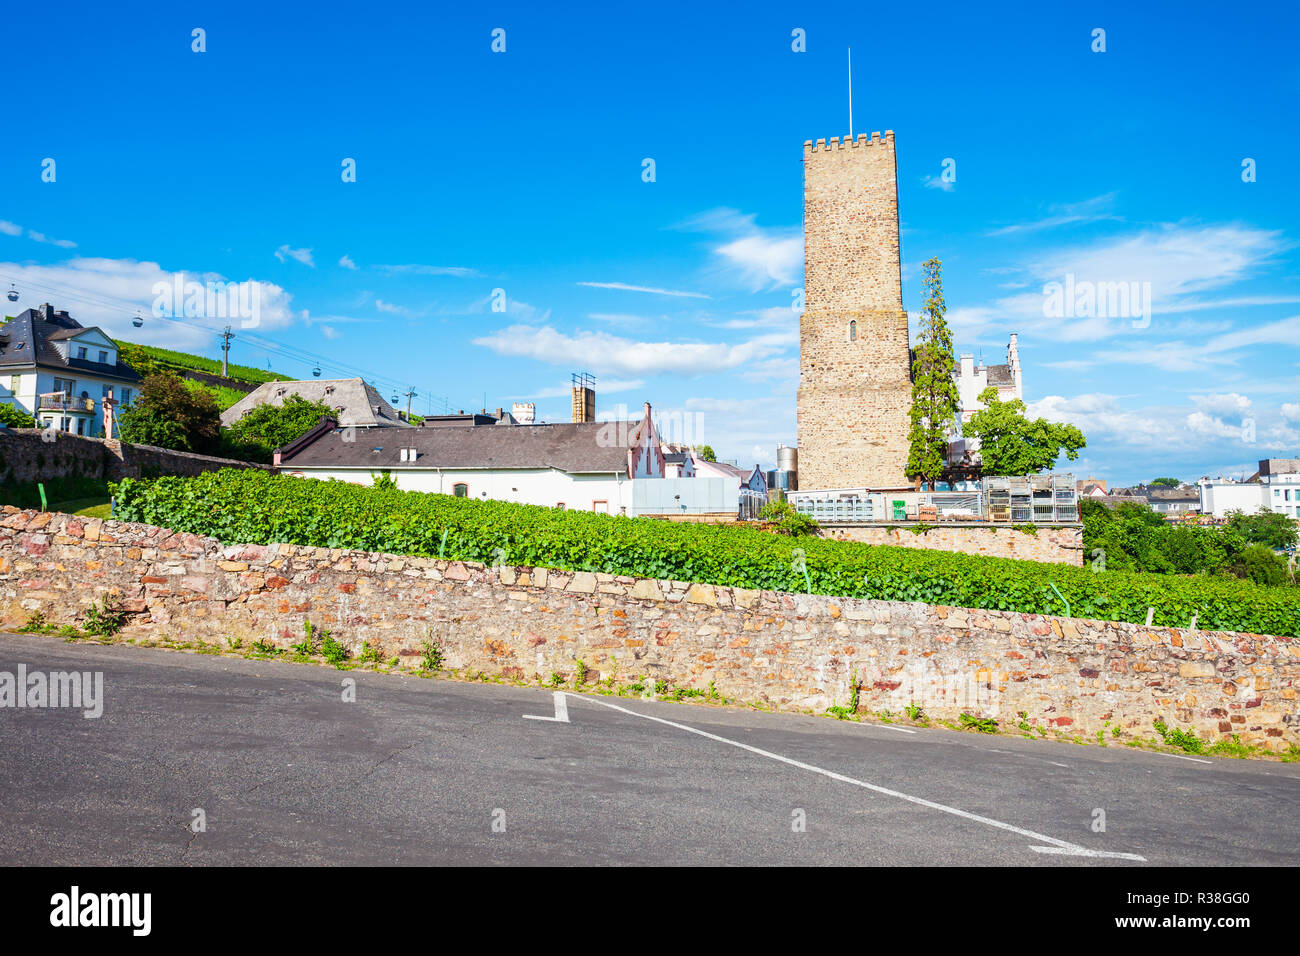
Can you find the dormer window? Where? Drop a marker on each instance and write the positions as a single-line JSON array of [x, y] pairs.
[[103, 357], [329, 389], [81, 352]]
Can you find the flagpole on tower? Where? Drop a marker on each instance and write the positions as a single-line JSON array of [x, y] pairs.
[[850, 94]]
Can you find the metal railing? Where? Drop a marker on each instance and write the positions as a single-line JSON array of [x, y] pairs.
[[62, 402], [1030, 499]]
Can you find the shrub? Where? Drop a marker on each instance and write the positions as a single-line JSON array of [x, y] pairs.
[[105, 618], [787, 519], [256, 507], [15, 417], [330, 649]]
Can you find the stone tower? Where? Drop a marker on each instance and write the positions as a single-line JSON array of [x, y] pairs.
[[855, 386]]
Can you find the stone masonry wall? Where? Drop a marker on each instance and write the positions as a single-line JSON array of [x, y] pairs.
[[28, 454], [1054, 545], [854, 389], [791, 650]]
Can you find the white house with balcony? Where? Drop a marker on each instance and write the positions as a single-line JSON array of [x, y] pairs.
[[59, 371]]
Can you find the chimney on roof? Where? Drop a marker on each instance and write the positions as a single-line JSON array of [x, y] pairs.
[[46, 311], [584, 397]]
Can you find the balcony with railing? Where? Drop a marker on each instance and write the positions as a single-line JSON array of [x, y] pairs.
[[64, 404]]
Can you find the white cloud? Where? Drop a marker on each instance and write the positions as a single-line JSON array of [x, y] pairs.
[[764, 258], [1291, 411], [938, 182], [623, 286], [1065, 214], [108, 292], [605, 352], [604, 386], [347, 263], [1213, 426], [1177, 263], [10, 228], [383, 306], [330, 332], [423, 270], [1228, 403], [42, 237], [1102, 415], [776, 316], [301, 255]]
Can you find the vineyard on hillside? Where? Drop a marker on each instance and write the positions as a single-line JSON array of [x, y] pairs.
[[260, 508]]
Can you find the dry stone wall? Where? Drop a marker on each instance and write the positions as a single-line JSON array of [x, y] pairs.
[[792, 651], [28, 454], [1063, 545]]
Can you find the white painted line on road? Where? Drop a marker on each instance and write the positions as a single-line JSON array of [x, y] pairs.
[[1057, 846], [1179, 756], [1012, 753], [901, 730], [561, 710]]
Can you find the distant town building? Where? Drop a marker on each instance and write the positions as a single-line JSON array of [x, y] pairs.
[[1275, 491], [1092, 488]]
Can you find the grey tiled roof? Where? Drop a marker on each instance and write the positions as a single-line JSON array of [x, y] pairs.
[[355, 401], [574, 447], [999, 375]]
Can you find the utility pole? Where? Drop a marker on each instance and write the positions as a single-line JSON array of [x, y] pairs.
[[410, 393], [226, 336]]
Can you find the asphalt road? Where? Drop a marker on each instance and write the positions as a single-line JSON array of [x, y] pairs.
[[419, 771]]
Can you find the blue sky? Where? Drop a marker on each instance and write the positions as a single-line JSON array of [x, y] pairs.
[[522, 171]]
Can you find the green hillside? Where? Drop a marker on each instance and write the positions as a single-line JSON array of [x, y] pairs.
[[150, 358]]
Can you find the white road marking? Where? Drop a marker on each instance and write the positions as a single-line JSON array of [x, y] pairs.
[[1012, 753], [561, 710], [1179, 756], [1057, 846], [901, 730]]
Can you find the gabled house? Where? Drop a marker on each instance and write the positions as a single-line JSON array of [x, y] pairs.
[[585, 466], [353, 400], [753, 480], [59, 371]]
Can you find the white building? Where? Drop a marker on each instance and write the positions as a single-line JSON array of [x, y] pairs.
[[613, 467], [1279, 493], [59, 372], [971, 381]]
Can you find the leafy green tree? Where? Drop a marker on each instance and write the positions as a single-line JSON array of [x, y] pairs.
[[169, 415], [706, 452], [268, 427], [1165, 483], [1011, 444], [1264, 527], [15, 417], [935, 402], [1258, 563]]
